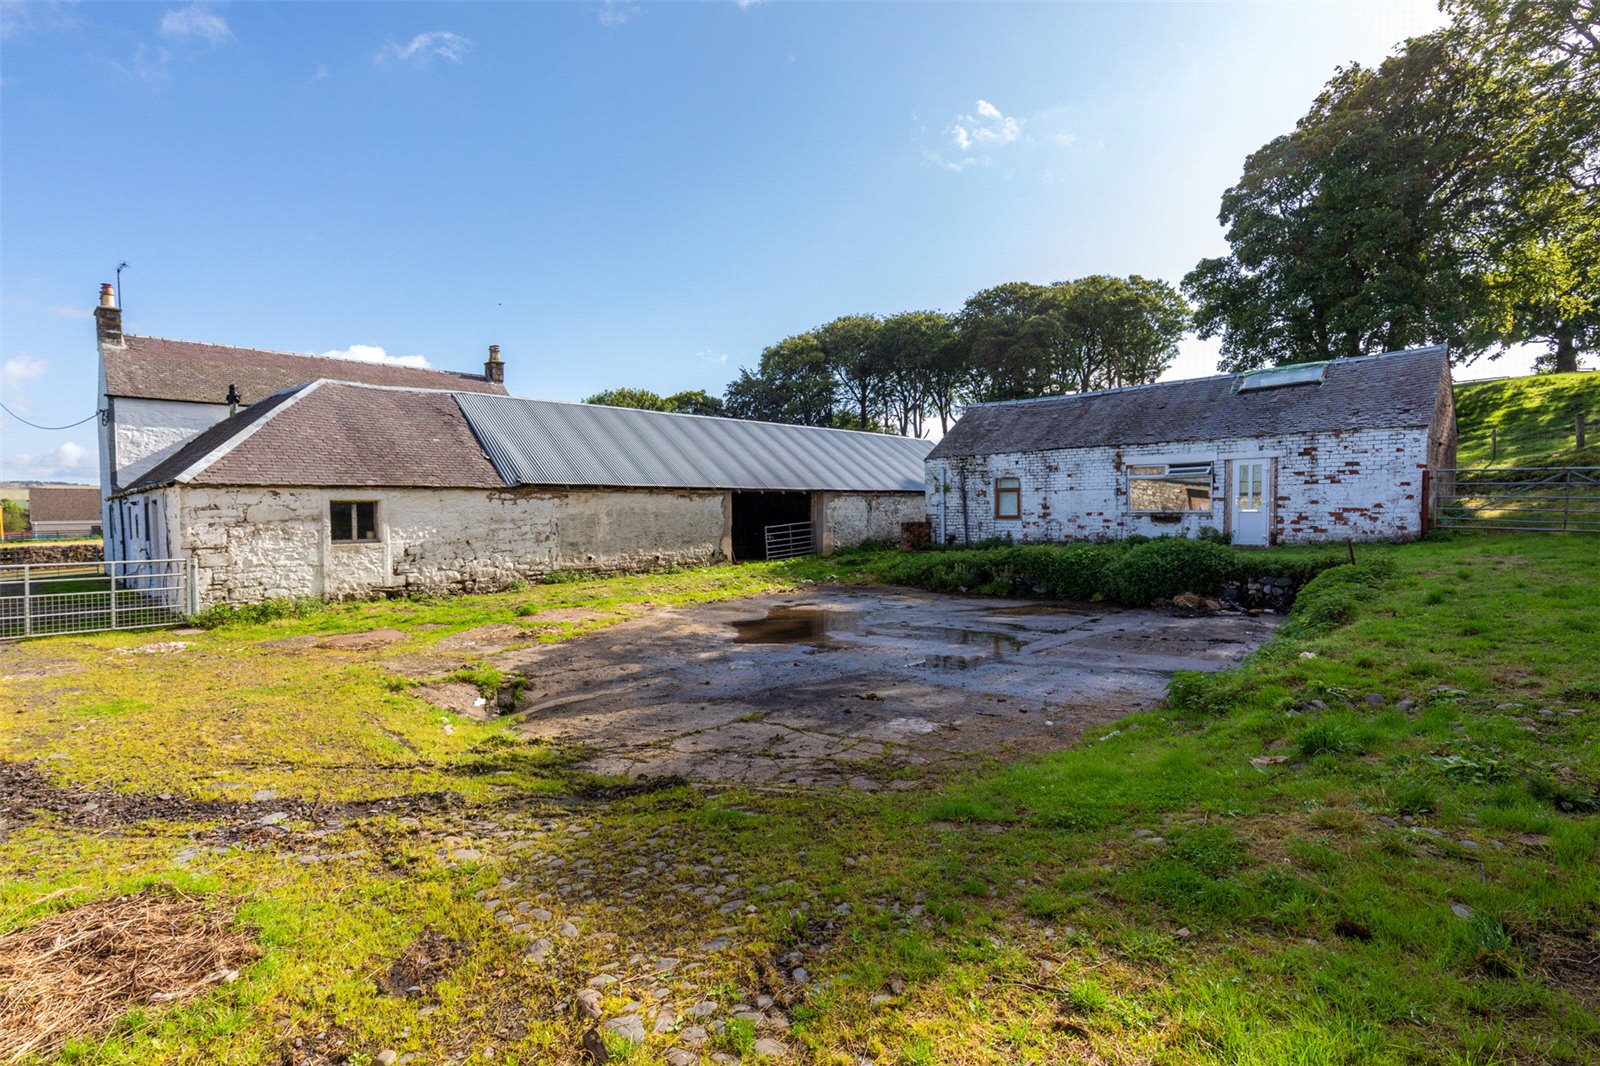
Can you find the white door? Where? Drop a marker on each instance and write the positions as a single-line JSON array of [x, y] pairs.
[[1251, 506]]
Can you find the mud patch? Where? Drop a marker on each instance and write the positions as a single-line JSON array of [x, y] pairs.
[[73, 973], [457, 697], [372, 638], [27, 795], [16, 668], [428, 960], [483, 640]]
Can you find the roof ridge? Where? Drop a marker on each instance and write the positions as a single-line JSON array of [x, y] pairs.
[[688, 414], [306, 355], [1215, 377]]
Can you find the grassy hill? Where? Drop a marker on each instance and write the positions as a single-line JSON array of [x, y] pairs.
[[1533, 419]]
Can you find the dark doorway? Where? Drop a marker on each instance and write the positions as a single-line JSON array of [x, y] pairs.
[[753, 512]]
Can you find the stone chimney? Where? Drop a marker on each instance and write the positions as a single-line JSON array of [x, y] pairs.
[[494, 369], [108, 318]]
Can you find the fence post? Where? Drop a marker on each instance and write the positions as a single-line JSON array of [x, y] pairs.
[[191, 573], [113, 595], [1566, 497], [27, 600]]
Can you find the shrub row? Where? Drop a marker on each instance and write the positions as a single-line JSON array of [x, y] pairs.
[[1132, 573]]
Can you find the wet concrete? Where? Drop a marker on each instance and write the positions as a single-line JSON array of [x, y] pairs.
[[851, 686]]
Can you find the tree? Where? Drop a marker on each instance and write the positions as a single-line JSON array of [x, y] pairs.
[[642, 399], [1446, 196], [793, 384], [1002, 341], [913, 349], [695, 402], [849, 346]]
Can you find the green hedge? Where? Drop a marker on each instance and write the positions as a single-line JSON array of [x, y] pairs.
[[1131, 573]]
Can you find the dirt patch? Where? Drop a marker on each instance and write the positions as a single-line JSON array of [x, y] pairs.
[[428, 960], [372, 638], [26, 795], [496, 636], [457, 697], [18, 668], [73, 973], [570, 616]]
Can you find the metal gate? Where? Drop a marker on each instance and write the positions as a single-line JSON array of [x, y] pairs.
[[790, 540], [39, 599], [1519, 499]]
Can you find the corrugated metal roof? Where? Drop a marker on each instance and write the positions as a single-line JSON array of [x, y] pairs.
[[542, 442]]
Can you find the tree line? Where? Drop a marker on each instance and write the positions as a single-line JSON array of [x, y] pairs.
[[903, 373]]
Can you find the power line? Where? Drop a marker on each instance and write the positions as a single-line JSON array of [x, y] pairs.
[[36, 425]]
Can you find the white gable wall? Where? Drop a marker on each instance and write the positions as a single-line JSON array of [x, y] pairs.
[[1361, 484]]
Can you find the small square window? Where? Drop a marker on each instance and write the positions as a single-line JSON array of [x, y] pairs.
[[353, 522], [1007, 497]]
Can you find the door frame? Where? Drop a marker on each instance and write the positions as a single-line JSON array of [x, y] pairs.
[[1269, 492]]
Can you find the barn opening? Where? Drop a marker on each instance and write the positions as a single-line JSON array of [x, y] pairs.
[[754, 513]]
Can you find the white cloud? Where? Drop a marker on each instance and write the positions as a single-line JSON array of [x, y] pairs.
[[195, 22], [16, 374], [424, 48], [1030, 146], [712, 358], [66, 460], [619, 12], [373, 353], [745, 5], [19, 18], [986, 127]]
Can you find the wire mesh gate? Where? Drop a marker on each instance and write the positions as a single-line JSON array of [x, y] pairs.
[[1519, 499], [790, 540], [38, 599]]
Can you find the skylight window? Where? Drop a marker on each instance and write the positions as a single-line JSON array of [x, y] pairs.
[[1281, 376]]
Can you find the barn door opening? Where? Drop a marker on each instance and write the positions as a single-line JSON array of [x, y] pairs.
[[782, 519]]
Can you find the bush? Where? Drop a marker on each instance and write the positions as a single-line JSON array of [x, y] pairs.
[[224, 614], [1167, 567]]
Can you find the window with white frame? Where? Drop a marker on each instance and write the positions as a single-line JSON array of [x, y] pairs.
[[1167, 488]]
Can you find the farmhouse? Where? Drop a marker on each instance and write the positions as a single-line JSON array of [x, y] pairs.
[[341, 488], [1296, 454], [156, 394], [64, 510]]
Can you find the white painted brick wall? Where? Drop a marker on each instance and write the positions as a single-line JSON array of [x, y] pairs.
[[852, 517], [1361, 484]]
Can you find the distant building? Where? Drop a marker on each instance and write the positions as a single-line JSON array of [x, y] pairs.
[[158, 394], [1297, 454], [64, 510]]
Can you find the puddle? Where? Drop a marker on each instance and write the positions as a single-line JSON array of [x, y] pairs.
[[1041, 608], [996, 643], [954, 662], [795, 625]]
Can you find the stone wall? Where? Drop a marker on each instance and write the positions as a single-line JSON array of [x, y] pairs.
[[1361, 484], [849, 518], [255, 544], [52, 553]]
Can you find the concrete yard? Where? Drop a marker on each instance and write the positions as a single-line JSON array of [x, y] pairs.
[[867, 688]]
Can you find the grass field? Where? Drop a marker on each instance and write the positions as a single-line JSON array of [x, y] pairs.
[[1377, 841], [1532, 417]]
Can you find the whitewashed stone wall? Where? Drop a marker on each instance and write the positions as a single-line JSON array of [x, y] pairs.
[[849, 518], [1361, 484], [147, 431], [255, 544]]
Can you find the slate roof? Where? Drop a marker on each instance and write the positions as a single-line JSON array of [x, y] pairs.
[[350, 435], [1394, 390], [334, 434], [156, 368], [64, 503], [541, 442]]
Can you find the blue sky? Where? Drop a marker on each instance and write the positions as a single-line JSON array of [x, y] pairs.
[[616, 193]]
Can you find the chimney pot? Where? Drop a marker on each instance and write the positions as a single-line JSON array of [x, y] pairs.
[[108, 295], [494, 369]]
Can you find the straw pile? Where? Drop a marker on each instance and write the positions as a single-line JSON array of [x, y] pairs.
[[73, 973]]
